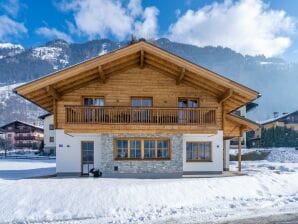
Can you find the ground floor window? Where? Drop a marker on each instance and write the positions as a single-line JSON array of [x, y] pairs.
[[142, 148], [198, 151]]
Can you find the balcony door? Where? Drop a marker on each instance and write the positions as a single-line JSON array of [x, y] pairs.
[[140, 111], [91, 111], [188, 114], [87, 157]]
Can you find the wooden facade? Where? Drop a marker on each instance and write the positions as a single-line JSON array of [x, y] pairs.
[[140, 70]]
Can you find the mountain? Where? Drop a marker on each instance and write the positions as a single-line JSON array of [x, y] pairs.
[[273, 77]]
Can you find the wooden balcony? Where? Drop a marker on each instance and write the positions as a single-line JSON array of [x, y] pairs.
[[140, 116]]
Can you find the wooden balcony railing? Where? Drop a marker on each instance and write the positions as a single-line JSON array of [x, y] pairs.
[[134, 115]]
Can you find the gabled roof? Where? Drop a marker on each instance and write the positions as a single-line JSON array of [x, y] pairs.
[[21, 122], [44, 91], [277, 118]]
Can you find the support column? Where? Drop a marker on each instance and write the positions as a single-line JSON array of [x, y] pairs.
[[226, 155], [239, 153]]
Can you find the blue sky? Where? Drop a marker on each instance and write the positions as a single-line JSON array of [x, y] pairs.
[[247, 26]]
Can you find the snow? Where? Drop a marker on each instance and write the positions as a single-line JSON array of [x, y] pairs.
[[25, 168], [267, 188], [52, 54], [104, 50], [11, 46], [6, 92], [275, 155], [46, 53]]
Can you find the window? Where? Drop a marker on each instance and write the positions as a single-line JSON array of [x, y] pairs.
[[135, 149], [141, 101], [149, 149], [122, 149], [188, 102], [142, 149], [141, 114], [188, 116], [198, 151], [94, 101], [51, 127], [51, 139]]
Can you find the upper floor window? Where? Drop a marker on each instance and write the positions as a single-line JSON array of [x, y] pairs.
[[141, 101], [198, 151], [188, 102], [94, 101]]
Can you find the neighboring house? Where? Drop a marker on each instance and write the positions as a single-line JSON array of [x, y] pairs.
[[288, 120], [22, 135], [2, 133], [49, 133], [141, 111]]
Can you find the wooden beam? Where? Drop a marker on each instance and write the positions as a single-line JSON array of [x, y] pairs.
[[101, 74], [142, 59], [53, 92], [239, 153], [181, 76], [225, 96], [55, 113]]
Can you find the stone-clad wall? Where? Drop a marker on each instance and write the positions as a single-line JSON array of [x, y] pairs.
[[141, 168]]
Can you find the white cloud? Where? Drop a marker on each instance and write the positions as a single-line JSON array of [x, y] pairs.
[[9, 27], [53, 33], [135, 7], [246, 26], [101, 18], [12, 7], [148, 28]]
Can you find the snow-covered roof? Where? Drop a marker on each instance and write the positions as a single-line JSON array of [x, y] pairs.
[[25, 123], [276, 118]]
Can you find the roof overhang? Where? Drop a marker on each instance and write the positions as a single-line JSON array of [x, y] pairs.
[[244, 123], [44, 91]]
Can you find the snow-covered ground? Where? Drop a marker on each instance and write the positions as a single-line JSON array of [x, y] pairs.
[[270, 187], [13, 169]]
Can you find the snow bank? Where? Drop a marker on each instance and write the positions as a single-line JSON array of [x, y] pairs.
[[276, 154], [284, 155]]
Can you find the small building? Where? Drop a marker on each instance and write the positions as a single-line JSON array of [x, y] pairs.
[[141, 111], [49, 133], [21, 135]]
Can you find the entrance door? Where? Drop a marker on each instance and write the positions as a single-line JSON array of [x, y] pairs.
[[87, 157]]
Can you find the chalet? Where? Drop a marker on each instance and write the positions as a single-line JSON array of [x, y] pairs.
[[49, 133], [21, 135], [141, 111]]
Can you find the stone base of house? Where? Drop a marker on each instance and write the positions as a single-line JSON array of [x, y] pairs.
[[143, 175], [69, 156]]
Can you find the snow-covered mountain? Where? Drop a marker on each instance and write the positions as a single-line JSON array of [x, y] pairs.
[[9, 49], [14, 107], [273, 77]]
